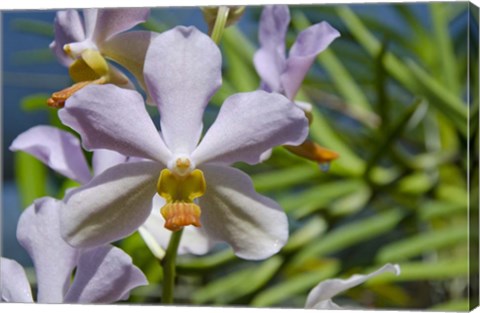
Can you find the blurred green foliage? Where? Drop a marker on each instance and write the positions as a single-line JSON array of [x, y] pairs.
[[393, 100]]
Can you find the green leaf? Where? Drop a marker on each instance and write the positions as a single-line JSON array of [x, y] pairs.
[[348, 235], [343, 81], [284, 177], [31, 177], [412, 76], [202, 264], [456, 305], [33, 26], [308, 232], [445, 49], [416, 183], [33, 56], [34, 102], [238, 284], [422, 243], [417, 271], [297, 284], [304, 203], [436, 209], [239, 51]]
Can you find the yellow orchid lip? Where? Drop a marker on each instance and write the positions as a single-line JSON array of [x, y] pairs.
[[91, 68], [180, 193]]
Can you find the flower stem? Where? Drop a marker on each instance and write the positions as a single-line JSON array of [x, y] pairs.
[[219, 27], [168, 265]]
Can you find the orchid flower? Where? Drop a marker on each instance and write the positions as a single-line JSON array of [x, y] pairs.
[[83, 45], [321, 296], [103, 274], [182, 72], [61, 151], [284, 75]]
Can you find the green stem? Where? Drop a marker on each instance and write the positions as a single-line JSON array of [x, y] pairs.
[[168, 265], [220, 22]]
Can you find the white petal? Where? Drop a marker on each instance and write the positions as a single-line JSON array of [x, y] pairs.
[[109, 117], [255, 226], [14, 285], [194, 240], [38, 232], [320, 295], [111, 206], [104, 275], [249, 124], [103, 159], [182, 72], [110, 22], [58, 149], [129, 50]]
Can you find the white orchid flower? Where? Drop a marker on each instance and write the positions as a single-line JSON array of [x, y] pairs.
[[182, 72], [83, 45], [61, 151]]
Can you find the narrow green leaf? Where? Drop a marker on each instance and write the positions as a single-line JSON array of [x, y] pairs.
[[31, 178], [33, 26], [411, 76], [304, 203], [416, 183], [343, 81], [311, 230], [238, 284], [33, 56], [422, 243], [205, 263], [34, 102], [295, 285], [455, 305], [240, 74], [417, 271], [281, 178], [349, 235], [445, 51], [352, 202], [436, 209]]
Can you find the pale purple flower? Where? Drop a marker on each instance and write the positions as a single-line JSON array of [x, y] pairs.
[[103, 274], [278, 72], [62, 152], [321, 296], [84, 44], [182, 72]]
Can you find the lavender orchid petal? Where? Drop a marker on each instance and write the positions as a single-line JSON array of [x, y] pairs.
[[182, 72], [90, 18], [111, 206], [104, 275], [109, 117], [255, 226], [247, 125], [14, 286], [194, 240], [110, 22], [308, 45], [270, 60], [68, 28], [103, 159], [320, 296], [129, 50], [58, 149], [38, 232]]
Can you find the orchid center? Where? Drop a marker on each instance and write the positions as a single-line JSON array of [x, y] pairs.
[[90, 68], [180, 187]]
